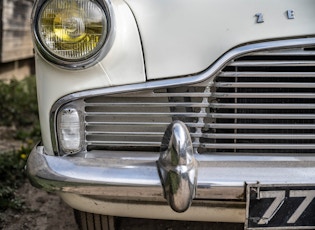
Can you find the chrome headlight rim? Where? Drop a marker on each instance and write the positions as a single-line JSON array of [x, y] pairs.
[[80, 63]]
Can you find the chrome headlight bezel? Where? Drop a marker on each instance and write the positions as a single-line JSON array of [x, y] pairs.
[[82, 62]]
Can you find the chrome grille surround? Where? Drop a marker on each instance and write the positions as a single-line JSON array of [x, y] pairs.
[[257, 99]]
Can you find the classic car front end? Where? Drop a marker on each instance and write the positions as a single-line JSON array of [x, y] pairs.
[[179, 110]]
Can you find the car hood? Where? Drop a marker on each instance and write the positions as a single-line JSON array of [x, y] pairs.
[[182, 37]]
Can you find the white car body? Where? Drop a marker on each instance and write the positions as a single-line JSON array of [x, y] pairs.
[[168, 43]]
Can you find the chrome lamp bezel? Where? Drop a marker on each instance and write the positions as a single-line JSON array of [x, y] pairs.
[[80, 63]]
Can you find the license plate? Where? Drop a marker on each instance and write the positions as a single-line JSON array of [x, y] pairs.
[[280, 207]]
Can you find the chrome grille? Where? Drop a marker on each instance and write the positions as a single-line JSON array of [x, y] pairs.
[[262, 102]]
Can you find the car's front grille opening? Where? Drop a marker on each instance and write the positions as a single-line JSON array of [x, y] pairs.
[[261, 103], [266, 104]]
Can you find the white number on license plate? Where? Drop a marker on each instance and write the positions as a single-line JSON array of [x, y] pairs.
[[280, 207]]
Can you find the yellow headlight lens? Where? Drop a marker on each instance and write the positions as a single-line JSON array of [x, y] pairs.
[[72, 29]]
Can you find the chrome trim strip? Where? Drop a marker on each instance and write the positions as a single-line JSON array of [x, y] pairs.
[[131, 114], [266, 74], [255, 136], [125, 133], [121, 174], [141, 104], [95, 123], [257, 146], [263, 85], [210, 72], [125, 143], [214, 135], [259, 126], [262, 95], [261, 106], [272, 63], [261, 115], [296, 52]]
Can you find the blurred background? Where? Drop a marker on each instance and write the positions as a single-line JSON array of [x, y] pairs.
[[16, 48]]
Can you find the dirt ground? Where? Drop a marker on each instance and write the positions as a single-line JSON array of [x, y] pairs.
[[43, 211], [46, 211]]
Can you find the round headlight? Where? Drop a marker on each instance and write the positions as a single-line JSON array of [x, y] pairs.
[[71, 31]]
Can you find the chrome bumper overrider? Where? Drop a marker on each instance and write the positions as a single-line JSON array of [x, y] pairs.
[[178, 167]]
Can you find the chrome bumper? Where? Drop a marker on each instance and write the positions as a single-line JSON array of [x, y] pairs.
[[134, 176]]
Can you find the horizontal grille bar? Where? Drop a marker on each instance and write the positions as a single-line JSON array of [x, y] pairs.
[[263, 95], [144, 124], [263, 85], [100, 133], [262, 106], [138, 114], [200, 105], [286, 53], [210, 135], [272, 63], [177, 104], [257, 146], [262, 116], [124, 143], [267, 74], [261, 126], [102, 123], [163, 94], [216, 115], [254, 136], [223, 126]]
